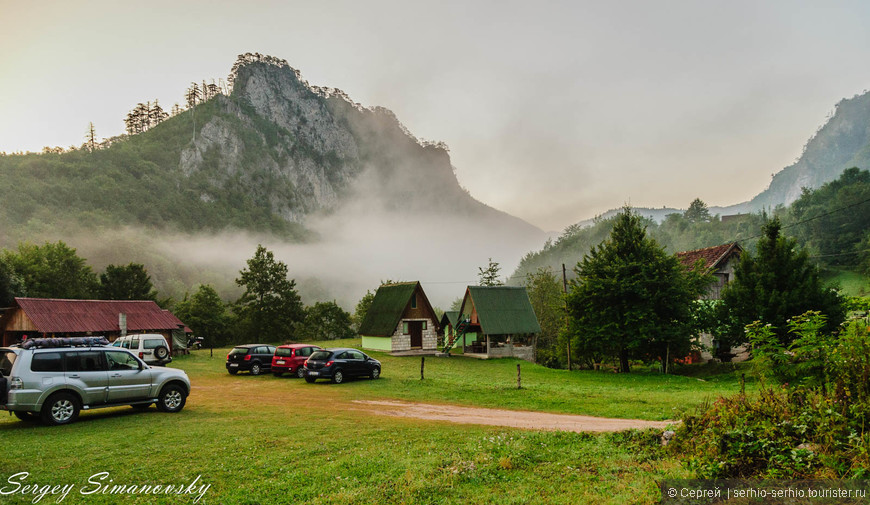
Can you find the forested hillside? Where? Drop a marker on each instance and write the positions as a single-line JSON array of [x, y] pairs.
[[832, 222], [268, 159], [842, 142]]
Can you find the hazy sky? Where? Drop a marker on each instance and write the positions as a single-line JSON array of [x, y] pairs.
[[553, 111]]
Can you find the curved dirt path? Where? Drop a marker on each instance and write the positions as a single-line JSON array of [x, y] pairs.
[[511, 418]]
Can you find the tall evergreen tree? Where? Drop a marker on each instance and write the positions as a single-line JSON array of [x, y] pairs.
[[489, 276], [270, 304], [777, 283], [91, 138], [631, 299]]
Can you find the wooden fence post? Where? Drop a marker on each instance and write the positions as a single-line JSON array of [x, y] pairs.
[[422, 364], [519, 385]]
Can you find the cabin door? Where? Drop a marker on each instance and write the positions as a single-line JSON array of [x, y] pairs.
[[415, 328]]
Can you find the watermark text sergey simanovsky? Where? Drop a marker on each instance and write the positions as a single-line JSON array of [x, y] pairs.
[[98, 484]]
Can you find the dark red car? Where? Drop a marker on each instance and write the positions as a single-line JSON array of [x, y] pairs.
[[291, 358]]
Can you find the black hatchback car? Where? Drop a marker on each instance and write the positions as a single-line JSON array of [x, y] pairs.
[[340, 364], [254, 358]]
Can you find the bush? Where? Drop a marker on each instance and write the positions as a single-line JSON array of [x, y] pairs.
[[781, 433], [812, 425]]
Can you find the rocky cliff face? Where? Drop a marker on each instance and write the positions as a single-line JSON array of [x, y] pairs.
[[307, 150], [843, 142]]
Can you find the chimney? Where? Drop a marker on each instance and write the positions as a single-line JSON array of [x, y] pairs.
[[122, 323]]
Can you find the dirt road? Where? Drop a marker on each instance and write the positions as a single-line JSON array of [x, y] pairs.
[[511, 418]]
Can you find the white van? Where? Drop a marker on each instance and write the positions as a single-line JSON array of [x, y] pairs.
[[150, 347]]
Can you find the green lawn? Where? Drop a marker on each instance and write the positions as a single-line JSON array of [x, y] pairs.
[[850, 283], [280, 440]]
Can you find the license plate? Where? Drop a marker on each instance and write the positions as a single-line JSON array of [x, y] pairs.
[[313, 373], [233, 365], [279, 362]]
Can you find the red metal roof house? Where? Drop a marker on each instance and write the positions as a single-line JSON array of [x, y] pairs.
[[50, 317], [718, 260]]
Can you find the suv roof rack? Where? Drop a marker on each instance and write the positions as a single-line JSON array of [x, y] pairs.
[[41, 343]]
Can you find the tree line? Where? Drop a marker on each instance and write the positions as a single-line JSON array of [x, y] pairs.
[[631, 301], [269, 310]]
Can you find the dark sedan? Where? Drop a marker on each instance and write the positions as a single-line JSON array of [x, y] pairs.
[[340, 364], [255, 358]]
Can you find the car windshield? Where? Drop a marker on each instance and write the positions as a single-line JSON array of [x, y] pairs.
[[239, 350], [7, 358], [283, 351], [320, 355]]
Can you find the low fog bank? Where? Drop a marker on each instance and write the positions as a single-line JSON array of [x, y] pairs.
[[360, 245], [405, 220]]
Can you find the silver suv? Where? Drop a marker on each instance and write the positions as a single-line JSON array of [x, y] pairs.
[[56, 378]]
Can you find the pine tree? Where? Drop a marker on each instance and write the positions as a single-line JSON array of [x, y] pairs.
[[91, 138], [777, 283], [489, 275], [632, 300], [270, 305]]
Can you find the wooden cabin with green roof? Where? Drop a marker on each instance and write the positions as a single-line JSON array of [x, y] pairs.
[[497, 322], [400, 319]]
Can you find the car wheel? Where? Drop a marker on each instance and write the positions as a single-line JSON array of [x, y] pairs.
[[255, 369], [25, 416], [161, 352], [232, 371], [300, 372], [376, 372], [60, 408], [171, 399], [338, 377]]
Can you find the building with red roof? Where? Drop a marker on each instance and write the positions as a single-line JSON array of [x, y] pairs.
[[52, 317], [718, 260]]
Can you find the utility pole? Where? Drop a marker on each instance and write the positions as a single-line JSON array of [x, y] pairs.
[[565, 289]]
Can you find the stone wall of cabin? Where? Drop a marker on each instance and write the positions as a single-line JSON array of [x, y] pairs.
[[402, 342]]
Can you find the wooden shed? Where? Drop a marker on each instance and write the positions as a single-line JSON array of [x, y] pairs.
[[400, 319], [52, 317]]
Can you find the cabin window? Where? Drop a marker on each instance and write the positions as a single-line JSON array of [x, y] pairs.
[[414, 302], [424, 324], [405, 329]]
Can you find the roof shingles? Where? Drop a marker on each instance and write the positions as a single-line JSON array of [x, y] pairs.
[[711, 256]]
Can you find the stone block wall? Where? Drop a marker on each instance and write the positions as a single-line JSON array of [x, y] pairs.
[[402, 342], [509, 351]]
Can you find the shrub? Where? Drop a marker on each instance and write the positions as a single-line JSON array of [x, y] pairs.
[[812, 425]]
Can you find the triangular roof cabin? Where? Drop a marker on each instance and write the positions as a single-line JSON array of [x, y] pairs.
[[400, 319], [497, 322], [500, 310]]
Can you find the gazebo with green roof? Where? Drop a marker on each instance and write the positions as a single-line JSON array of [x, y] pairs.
[[400, 319], [501, 322]]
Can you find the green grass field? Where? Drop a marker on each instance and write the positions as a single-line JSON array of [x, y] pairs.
[[850, 283], [280, 440]]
